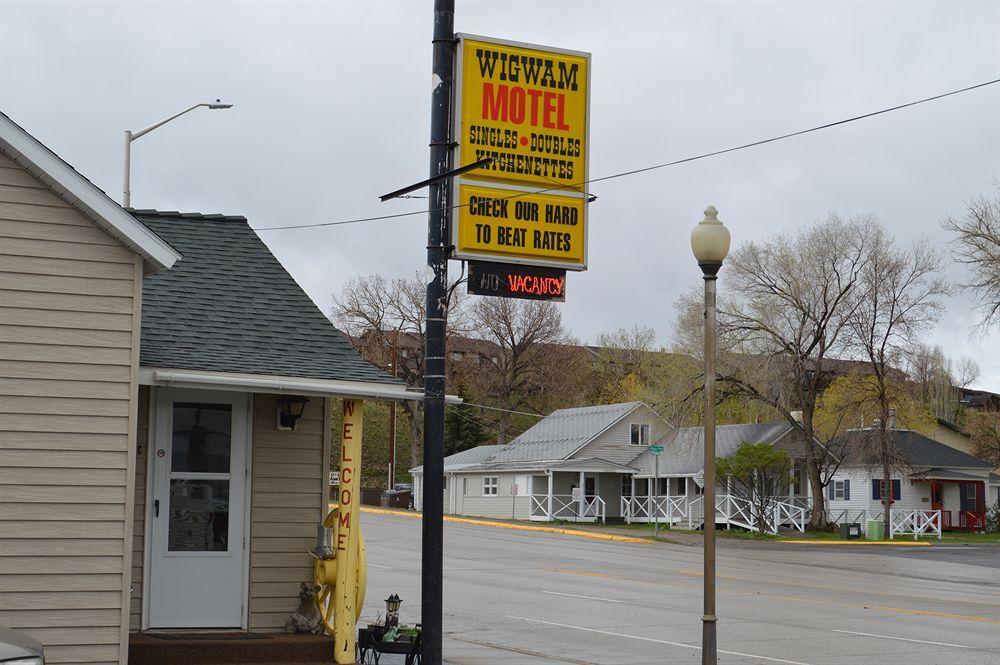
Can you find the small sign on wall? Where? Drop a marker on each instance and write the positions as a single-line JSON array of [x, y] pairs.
[[335, 477], [513, 489]]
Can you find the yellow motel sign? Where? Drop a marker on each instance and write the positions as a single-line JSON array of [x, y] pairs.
[[526, 108]]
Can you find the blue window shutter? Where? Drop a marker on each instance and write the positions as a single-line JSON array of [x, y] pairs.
[[847, 490], [896, 489], [830, 492], [876, 489]]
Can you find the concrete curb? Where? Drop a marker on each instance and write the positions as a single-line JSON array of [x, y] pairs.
[[516, 527], [894, 543]]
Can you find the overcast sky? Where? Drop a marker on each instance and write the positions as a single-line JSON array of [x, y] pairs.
[[333, 104]]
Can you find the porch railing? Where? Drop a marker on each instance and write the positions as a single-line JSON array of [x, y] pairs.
[[663, 508], [590, 508]]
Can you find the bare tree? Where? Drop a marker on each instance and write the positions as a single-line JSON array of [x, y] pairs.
[[379, 314], [977, 245], [527, 353], [938, 379], [785, 316], [901, 297]]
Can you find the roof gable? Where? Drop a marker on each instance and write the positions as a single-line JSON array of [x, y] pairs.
[[563, 432], [229, 306], [67, 183], [684, 454]]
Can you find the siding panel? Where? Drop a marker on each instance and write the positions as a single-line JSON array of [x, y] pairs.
[[69, 310], [287, 502]]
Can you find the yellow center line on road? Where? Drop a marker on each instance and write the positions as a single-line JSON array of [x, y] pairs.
[[514, 526], [798, 599], [820, 587]]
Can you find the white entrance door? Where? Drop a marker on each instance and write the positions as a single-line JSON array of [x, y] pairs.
[[197, 512]]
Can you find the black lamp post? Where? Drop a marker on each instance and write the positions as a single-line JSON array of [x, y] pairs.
[[289, 411]]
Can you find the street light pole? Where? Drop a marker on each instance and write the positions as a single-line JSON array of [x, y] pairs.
[[438, 224], [132, 136], [710, 244]]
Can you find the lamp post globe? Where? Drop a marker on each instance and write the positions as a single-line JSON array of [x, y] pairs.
[[710, 242]]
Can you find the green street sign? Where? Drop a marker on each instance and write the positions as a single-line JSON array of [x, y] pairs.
[[655, 450]]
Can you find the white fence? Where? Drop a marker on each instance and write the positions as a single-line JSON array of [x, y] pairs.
[[547, 508], [901, 522], [730, 510]]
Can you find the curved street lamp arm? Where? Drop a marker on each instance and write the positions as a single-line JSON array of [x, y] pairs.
[[134, 135]]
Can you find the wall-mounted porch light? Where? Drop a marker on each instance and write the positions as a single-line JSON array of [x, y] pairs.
[[289, 411]]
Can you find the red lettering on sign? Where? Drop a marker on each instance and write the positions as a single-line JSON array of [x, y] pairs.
[[345, 520], [516, 104], [345, 498], [347, 430], [348, 407], [341, 545], [541, 286], [346, 475]]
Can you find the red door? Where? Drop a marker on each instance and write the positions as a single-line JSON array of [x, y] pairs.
[[589, 488]]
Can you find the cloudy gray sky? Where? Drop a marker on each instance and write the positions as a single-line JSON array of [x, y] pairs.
[[332, 109]]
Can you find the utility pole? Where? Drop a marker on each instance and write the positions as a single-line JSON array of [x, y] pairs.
[[438, 226]]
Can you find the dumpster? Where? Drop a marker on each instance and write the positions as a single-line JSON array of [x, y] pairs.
[[850, 531], [875, 530]]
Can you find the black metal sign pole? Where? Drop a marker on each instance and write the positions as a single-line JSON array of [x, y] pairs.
[[432, 563]]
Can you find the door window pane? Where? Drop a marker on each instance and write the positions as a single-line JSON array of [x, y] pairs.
[[199, 516], [201, 438]]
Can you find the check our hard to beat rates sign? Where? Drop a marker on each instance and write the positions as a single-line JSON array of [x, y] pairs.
[[526, 108]]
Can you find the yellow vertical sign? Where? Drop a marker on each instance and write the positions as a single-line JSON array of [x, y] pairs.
[[344, 613], [526, 108]]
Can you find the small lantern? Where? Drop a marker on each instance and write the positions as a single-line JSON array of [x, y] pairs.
[[392, 604], [289, 411]]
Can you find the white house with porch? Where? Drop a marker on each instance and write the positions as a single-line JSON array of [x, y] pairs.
[[573, 465], [672, 490]]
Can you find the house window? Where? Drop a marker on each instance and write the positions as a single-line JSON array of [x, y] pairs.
[[626, 485], [798, 481], [682, 486], [839, 490], [664, 488], [490, 486], [640, 435], [465, 487], [878, 489]]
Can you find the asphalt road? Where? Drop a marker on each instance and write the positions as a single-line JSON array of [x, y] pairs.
[[515, 597]]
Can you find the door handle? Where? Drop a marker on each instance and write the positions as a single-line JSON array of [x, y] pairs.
[[156, 507]]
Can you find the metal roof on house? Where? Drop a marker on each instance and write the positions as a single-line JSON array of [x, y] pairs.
[[228, 305], [685, 456], [464, 458], [562, 432], [994, 479], [916, 450]]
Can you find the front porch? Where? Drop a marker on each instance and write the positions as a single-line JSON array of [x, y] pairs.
[[579, 491], [952, 489]]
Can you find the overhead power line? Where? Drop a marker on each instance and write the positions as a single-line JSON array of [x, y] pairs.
[[654, 167], [496, 408]]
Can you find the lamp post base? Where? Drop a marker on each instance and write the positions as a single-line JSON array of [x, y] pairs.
[[709, 652]]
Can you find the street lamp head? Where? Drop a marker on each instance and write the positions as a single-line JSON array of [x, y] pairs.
[[217, 104], [710, 242]]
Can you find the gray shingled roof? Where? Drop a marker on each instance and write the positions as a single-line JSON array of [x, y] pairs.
[[559, 434], [229, 306], [685, 454], [916, 449], [945, 474]]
